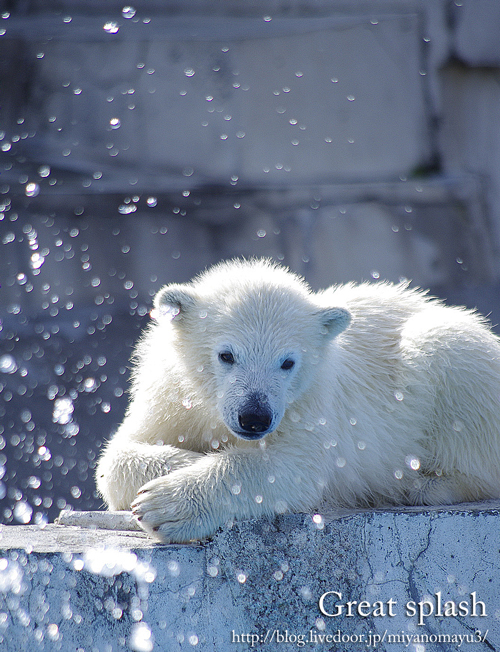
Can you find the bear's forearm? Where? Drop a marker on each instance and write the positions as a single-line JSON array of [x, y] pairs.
[[195, 501]]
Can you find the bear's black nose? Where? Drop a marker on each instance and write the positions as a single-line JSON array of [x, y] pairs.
[[255, 421], [255, 417]]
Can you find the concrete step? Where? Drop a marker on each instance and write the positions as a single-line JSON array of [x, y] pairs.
[[414, 577]]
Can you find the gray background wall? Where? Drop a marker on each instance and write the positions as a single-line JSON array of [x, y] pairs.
[[350, 140]]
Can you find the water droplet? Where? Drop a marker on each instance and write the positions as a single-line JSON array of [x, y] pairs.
[[127, 209], [151, 201], [36, 261], [306, 593], [110, 27], [399, 396], [412, 462], [189, 72], [89, 385], [8, 364], [320, 624], [76, 492], [31, 189], [23, 512], [128, 12], [141, 639], [25, 416], [44, 453], [63, 410], [115, 123], [34, 482], [241, 577], [375, 274], [173, 568], [236, 489], [11, 576]]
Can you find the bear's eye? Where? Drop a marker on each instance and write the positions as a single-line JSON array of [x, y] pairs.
[[288, 364], [226, 357]]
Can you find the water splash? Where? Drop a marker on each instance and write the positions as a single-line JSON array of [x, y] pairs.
[[109, 562], [141, 639], [11, 577], [63, 410]]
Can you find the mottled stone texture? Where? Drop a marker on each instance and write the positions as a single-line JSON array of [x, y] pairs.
[[258, 583]]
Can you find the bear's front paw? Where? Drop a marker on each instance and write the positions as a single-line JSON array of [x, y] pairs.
[[170, 512]]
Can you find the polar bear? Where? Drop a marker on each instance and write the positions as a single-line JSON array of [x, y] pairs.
[[253, 395]]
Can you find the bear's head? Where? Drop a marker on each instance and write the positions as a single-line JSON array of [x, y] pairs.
[[250, 336]]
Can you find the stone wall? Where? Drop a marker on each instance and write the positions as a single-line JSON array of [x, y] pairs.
[[421, 579], [350, 140], [183, 115]]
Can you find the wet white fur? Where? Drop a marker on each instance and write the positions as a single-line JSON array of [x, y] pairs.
[[402, 407]]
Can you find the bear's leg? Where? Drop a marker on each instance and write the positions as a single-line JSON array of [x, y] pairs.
[[195, 501], [446, 490], [124, 467]]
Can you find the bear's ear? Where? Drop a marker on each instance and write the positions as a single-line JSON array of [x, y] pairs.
[[334, 321], [173, 301]]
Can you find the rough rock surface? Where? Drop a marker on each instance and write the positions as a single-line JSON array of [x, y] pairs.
[[258, 584]]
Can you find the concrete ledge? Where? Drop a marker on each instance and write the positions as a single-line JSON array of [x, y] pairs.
[[259, 584]]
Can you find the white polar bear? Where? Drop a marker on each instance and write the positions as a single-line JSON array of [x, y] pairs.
[[252, 395]]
